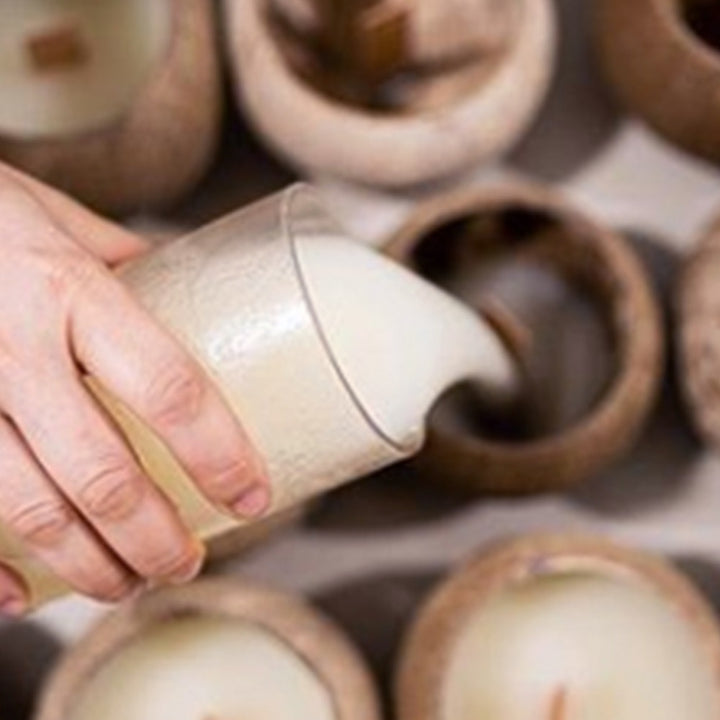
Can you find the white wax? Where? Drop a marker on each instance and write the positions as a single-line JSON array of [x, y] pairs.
[[125, 40], [579, 647], [398, 340], [205, 669]]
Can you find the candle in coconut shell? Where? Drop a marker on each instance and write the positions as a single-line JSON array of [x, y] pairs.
[[98, 96], [562, 628], [65, 67], [216, 650]]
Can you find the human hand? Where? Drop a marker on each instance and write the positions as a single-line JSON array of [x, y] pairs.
[[70, 488]]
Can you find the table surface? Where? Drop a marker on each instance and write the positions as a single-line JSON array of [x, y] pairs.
[[369, 552]]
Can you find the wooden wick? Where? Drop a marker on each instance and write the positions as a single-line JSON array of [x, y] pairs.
[[371, 36], [60, 47], [559, 705]]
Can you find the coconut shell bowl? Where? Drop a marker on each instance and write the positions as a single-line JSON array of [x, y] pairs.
[[464, 242], [662, 57], [117, 103], [390, 93]]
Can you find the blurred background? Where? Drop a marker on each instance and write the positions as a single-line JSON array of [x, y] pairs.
[[369, 551]]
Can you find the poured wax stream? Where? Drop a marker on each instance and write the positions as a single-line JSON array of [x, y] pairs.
[[330, 354]]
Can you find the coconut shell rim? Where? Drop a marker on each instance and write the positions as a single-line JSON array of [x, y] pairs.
[[331, 113], [420, 675], [556, 448], [317, 640], [143, 94]]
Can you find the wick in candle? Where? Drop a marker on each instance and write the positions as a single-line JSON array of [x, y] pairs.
[[559, 705], [59, 47]]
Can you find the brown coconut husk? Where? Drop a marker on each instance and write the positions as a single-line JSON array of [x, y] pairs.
[[662, 57], [160, 147], [602, 265]]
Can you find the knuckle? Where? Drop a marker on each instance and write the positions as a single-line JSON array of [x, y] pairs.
[[112, 492], [169, 563], [107, 586], [175, 395], [41, 523], [222, 484]]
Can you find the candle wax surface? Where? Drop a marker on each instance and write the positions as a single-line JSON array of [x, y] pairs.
[[579, 647], [121, 42], [204, 669]]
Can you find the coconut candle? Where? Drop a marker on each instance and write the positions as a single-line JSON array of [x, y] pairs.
[[329, 353], [97, 97], [69, 66], [217, 650], [563, 628]]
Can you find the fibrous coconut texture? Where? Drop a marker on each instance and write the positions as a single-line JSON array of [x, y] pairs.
[[699, 322], [458, 235]]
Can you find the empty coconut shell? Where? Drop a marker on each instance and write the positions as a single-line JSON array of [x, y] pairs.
[[466, 232], [430, 646], [663, 59], [324, 119], [305, 633], [699, 319], [155, 150]]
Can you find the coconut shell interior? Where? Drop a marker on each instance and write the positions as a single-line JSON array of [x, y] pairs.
[[702, 17], [529, 446], [662, 59], [361, 54]]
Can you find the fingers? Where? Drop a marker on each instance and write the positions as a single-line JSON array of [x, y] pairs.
[[34, 511], [146, 368], [82, 452], [106, 240], [13, 594]]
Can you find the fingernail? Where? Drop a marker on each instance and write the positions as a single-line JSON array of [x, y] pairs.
[[13, 607], [198, 553], [253, 502]]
